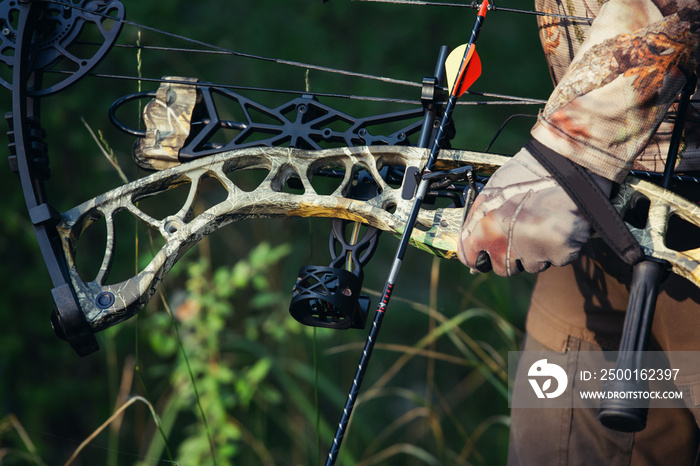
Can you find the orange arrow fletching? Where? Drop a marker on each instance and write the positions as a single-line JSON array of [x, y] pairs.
[[470, 74], [462, 71]]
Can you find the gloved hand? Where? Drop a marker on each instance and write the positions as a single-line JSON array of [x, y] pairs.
[[523, 220]]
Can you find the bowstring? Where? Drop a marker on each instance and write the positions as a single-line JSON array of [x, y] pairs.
[[208, 48]]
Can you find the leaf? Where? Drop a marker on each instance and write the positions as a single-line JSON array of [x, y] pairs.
[[546, 385]]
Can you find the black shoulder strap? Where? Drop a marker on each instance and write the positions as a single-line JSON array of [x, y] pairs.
[[591, 201]]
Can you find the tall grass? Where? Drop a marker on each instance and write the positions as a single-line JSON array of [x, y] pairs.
[[245, 392]]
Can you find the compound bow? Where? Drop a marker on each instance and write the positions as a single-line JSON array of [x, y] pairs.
[[375, 176]]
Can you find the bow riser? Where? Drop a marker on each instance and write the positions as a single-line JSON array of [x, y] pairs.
[[438, 231]]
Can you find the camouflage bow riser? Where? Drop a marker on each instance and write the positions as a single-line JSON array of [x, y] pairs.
[[437, 232]]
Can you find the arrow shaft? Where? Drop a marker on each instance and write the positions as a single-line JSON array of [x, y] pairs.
[[400, 252]]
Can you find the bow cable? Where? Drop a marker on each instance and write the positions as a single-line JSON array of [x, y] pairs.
[[475, 6], [219, 49], [505, 99], [215, 49]]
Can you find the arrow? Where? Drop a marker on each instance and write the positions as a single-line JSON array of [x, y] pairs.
[[468, 72]]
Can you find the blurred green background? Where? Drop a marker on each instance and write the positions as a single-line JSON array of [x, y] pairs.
[[271, 391]]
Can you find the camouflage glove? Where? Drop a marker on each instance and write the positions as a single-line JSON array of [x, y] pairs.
[[523, 220]]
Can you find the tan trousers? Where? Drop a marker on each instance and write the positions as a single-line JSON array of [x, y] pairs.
[[581, 307]]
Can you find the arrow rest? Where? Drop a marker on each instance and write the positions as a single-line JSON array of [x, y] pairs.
[[329, 297]]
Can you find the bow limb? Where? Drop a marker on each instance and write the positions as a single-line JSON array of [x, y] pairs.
[[663, 206], [29, 159]]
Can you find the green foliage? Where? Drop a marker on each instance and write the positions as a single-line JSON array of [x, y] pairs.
[[207, 374]]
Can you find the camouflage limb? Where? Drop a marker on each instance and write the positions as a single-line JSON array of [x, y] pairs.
[[663, 205]]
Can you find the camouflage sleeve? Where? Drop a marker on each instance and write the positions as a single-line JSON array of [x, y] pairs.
[[616, 79]]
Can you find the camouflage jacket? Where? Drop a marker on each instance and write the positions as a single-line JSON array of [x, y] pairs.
[[616, 80]]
